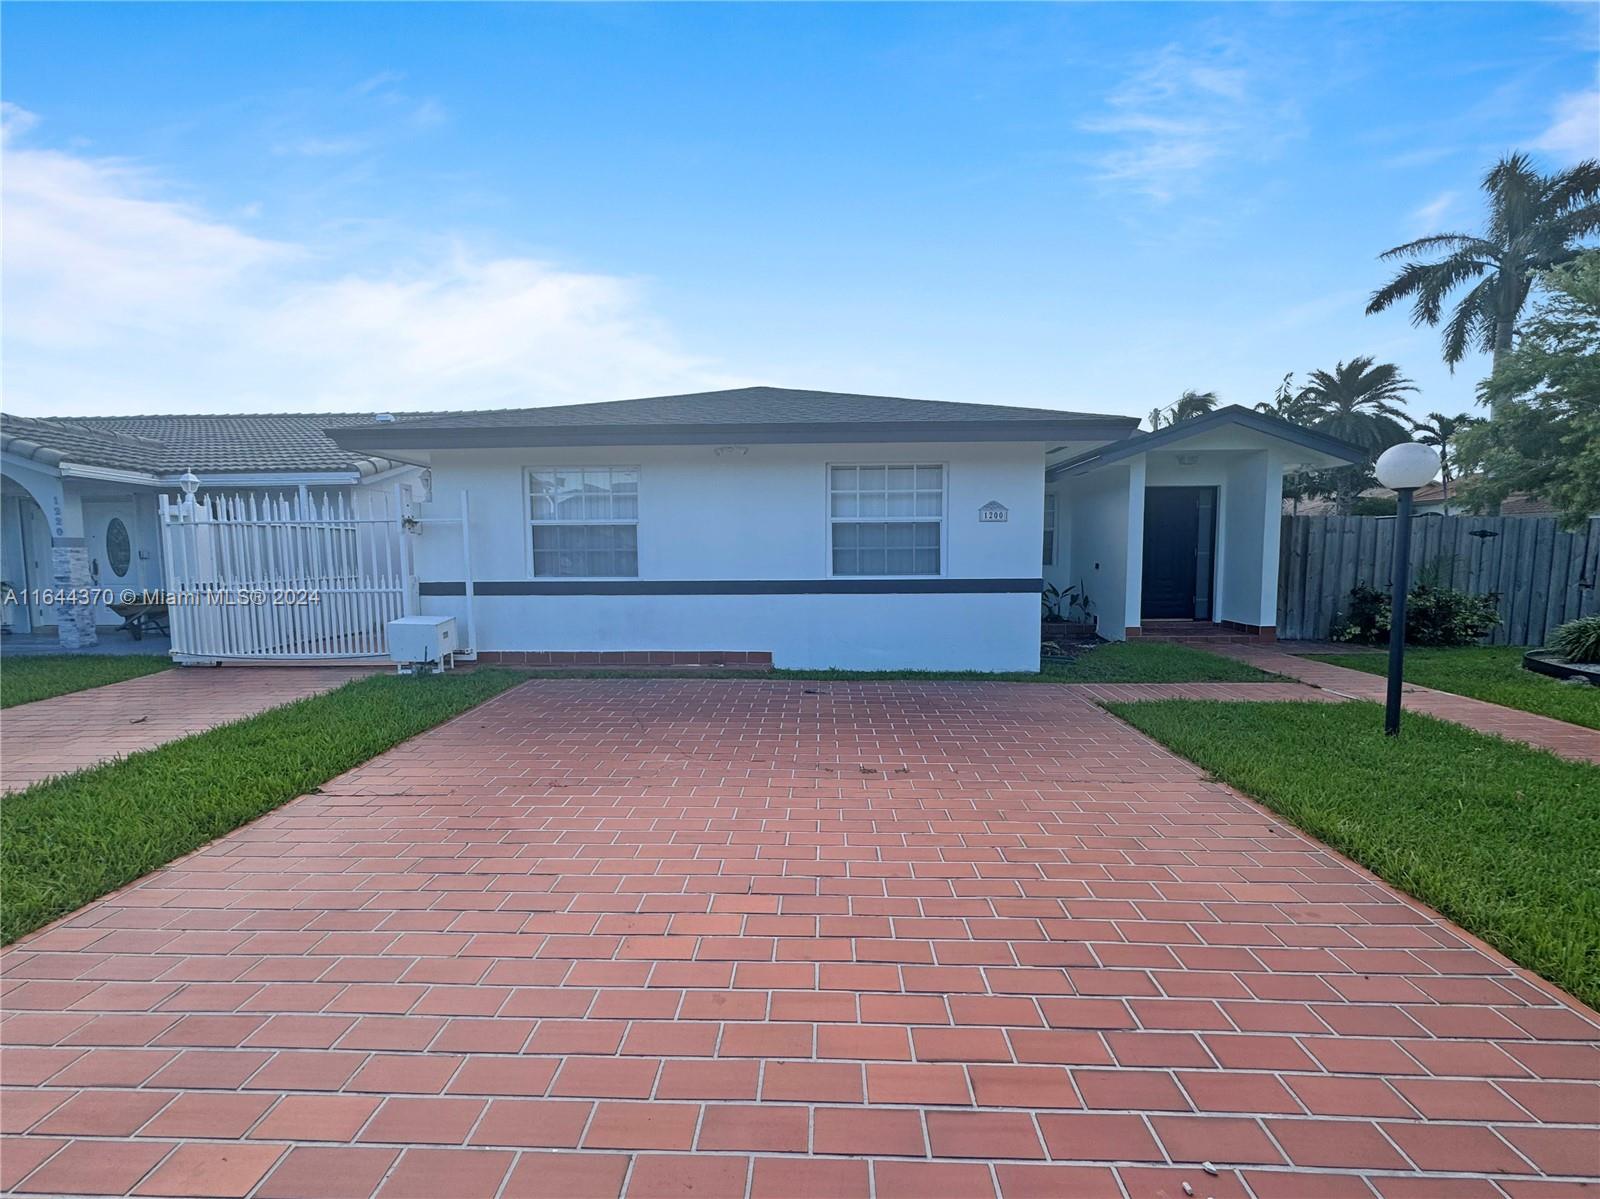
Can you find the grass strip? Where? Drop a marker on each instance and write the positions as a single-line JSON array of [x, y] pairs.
[[24, 680], [1488, 672], [1112, 662], [68, 840], [1501, 838]]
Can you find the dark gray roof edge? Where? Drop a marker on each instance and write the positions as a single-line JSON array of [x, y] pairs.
[[1233, 414], [848, 432]]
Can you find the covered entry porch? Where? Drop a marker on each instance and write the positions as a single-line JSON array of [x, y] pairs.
[[68, 545], [1180, 527]]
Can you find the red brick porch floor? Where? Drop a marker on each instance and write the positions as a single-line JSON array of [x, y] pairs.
[[751, 939], [1559, 737], [69, 732]]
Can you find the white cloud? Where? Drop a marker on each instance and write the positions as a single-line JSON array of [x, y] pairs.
[[120, 299], [1430, 217], [1575, 132], [322, 147], [15, 120], [1182, 111]]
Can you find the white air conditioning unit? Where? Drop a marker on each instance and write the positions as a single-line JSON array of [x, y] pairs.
[[422, 644]]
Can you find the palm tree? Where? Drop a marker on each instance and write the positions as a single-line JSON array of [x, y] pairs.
[[1192, 404], [1535, 223], [1287, 403], [1439, 431], [1188, 406], [1357, 402]]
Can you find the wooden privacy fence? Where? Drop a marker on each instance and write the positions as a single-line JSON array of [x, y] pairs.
[[284, 577], [1544, 576]]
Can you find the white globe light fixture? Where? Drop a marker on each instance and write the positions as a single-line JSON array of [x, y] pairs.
[[1407, 466], [1402, 468], [189, 482]]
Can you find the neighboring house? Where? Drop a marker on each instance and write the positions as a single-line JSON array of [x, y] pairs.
[[78, 504], [821, 529], [812, 529], [1429, 501]]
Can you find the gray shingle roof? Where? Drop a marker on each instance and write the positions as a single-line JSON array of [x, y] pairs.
[[340, 441], [759, 413], [1232, 414], [749, 406]]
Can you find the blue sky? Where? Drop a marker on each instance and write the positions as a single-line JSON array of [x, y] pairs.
[[238, 207]]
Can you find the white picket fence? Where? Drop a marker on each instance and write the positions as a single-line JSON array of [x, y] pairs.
[[284, 577]]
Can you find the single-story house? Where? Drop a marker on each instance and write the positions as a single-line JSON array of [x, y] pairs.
[[807, 528], [818, 529], [78, 498]]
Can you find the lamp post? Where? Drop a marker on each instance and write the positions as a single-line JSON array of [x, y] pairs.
[[1402, 468]]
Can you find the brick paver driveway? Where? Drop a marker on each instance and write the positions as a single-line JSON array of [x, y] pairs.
[[72, 731], [932, 940]]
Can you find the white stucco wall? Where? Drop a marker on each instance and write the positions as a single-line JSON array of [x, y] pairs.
[[1103, 513], [748, 518]]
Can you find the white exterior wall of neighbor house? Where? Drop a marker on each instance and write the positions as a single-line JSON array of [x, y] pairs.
[[752, 514], [89, 504]]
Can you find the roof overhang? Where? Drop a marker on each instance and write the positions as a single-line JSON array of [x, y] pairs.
[[266, 478], [473, 437], [1324, 451], [55, 466], [108, 474]]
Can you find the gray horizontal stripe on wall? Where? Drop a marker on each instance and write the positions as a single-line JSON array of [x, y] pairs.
[[737, 587]]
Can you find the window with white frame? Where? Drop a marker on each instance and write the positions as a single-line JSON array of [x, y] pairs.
[[886, 520], [585, 521], [1050, 528]]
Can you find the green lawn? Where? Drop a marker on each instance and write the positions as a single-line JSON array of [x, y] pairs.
[[1490, 672], [23, 680], [1111, 662], [69, 840], [1502, 838]]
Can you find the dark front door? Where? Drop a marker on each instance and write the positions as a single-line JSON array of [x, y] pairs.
[[1179, 530]]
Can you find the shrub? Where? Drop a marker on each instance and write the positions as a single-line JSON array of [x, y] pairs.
[[1434, 616], [1578, 640], [1075, 600]]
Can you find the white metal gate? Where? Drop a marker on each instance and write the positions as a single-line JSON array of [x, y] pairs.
[[288, 577]]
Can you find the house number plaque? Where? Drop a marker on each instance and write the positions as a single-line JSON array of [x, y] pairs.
[[993, 513]]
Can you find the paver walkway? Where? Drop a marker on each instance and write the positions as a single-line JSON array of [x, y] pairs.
[[1568, 740], [69, 732], [755, 939]]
